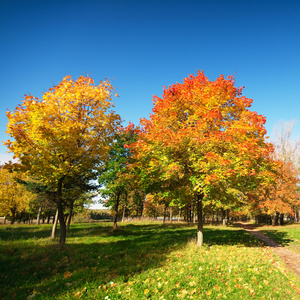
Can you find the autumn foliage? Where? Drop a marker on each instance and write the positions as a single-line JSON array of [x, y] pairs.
[[64, 135], [278, 197], [203, 150], [14, 198], [202, 135]]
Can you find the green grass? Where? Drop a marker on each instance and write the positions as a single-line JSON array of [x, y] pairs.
[[287, 235], [139, 261]]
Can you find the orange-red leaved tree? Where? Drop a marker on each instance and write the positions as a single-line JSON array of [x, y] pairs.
[[202, 134]]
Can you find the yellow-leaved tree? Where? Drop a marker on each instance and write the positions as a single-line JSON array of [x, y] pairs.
[[65, 134], [14, 197]]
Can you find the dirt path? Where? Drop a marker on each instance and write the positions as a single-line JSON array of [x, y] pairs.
[[290, 258]]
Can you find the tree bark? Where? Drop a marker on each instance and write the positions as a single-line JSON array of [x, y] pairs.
[[123, 216], [13, 216], [179, 215], [200, 220], [171, 214], [39, 215], [194, 217], [281, 219], [190, 214], [273, 220], [277, 218], [142, 208], [62, 223], [70, 216], [116, 212], [187, 215], [55, 221]]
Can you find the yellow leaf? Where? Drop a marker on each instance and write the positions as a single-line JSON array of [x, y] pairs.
[[146, 291]]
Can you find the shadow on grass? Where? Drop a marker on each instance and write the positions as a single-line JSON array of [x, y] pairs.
[[24, 232], [274, 234], [278, 236], [94, 255]]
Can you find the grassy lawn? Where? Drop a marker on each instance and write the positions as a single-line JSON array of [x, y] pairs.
[[139, 261], [287, 235]]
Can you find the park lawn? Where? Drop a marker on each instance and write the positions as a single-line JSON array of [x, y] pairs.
[[287, 235], [139, 261]]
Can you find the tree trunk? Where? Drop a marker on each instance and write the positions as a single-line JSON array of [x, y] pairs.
[[171, 214], [277, 218], [187, 215], [281, 219], [273, 220], [228, 216], [70, 216], [164, 221], [13, 216], [55, 221], [223, 217], [123, 216], [39, 215], [116, 212], [200, 220], [142, 208], [179, 215], [62, 223]]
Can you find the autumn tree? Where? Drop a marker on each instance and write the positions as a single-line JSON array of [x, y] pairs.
[[64, 134], [277, 198], [15, 200], [200, 135], [287, 150]]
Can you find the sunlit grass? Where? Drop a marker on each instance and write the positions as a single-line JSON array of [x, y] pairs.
[[287, 235], [139, 261]]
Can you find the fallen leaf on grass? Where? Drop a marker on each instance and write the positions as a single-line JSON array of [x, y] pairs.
[[192, 283], [67, 274], [146, 291]]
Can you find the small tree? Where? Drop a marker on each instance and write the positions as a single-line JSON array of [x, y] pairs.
[[115, 176]]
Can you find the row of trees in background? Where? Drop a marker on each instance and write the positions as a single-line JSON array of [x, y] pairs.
[[202, 153]]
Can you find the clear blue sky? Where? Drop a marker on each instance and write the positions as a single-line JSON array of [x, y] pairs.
[[145, 45]]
